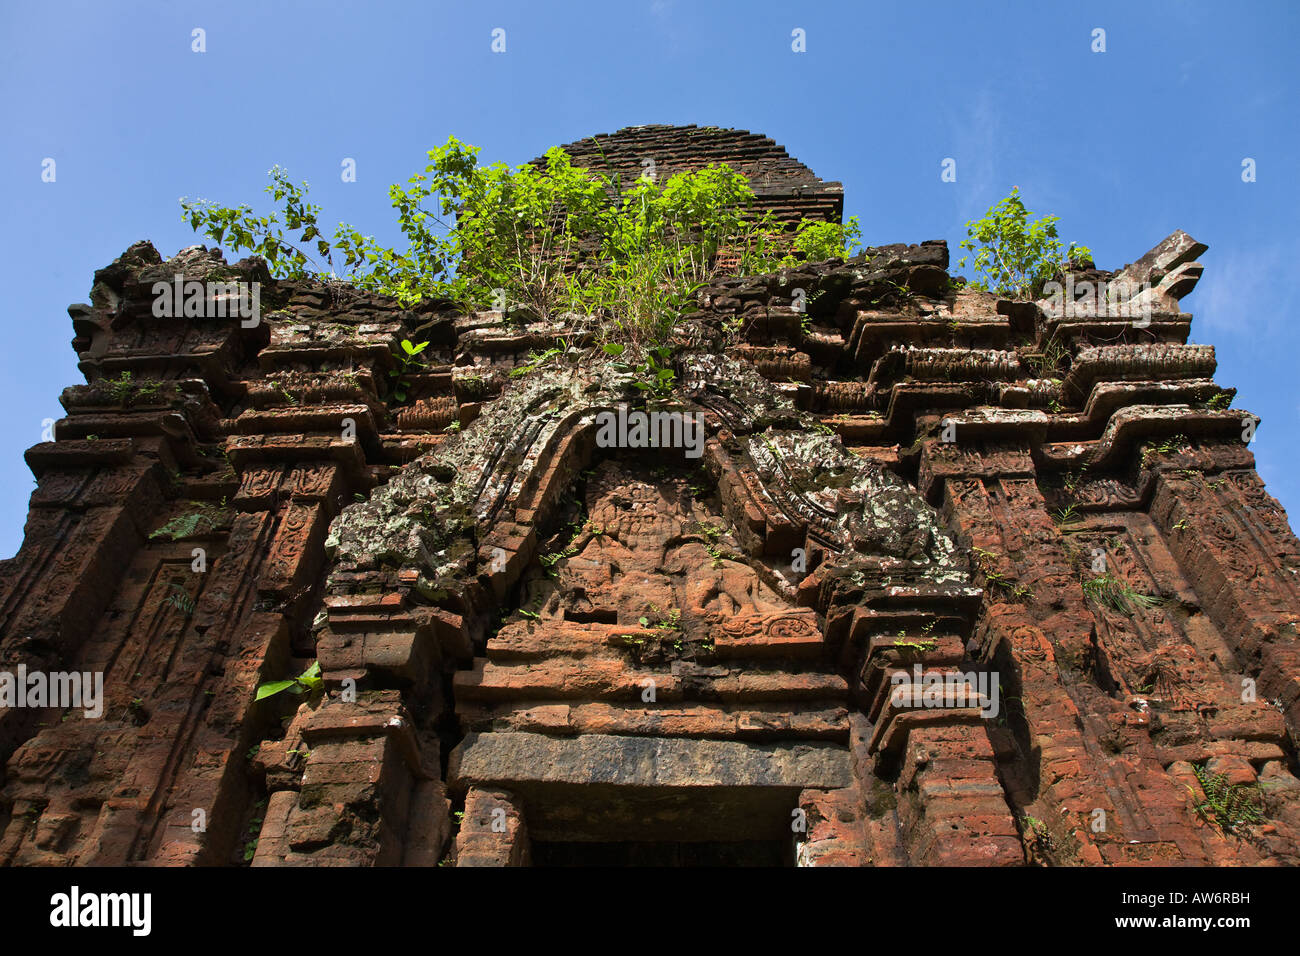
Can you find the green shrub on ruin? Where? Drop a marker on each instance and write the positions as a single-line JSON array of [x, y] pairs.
[[1015, 256], [550, 240], [817, 241]]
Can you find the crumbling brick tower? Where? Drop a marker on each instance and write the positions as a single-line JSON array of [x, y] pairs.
[[538, 649]]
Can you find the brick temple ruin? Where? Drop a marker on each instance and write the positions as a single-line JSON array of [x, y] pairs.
[[538, 650]]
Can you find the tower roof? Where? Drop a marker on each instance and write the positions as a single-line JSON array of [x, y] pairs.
[[783, 185]]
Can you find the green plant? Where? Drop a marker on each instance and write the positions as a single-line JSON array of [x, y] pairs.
[[817, 241], [550, 238], [1012, 255], [473, 386], [1167, 447], [265, 236], [308, 682], [1046, 362], [181, 600], [1067, 515], [711, 534], [669, 621], [1118, 595], [1229, 806], [254, 828], [894, 292], [985, 562], [408, 361], [1038, 834], [121, 387], [548, 561], [926, 643], [537, 359], [710, 531], [203, 519], [916, 646], [284, 392], [655, 374]]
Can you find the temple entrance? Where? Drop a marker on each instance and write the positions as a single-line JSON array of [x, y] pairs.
[[654, 699]]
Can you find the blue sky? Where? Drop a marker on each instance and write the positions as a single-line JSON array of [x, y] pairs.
[[1125, 145]]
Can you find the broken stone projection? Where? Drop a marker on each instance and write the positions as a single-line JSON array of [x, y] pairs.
[[534, 649]]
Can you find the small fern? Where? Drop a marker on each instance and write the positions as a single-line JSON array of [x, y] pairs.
[[1229, 806]]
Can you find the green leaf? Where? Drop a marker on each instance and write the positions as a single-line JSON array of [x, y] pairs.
[[273, 687]]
